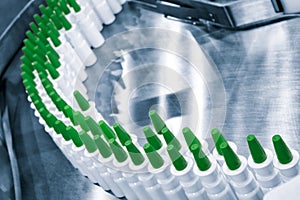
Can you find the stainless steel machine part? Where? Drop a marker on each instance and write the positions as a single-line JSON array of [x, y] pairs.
[[225, 13]]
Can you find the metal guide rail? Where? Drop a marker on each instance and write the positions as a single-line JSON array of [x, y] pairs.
[[224, 13]]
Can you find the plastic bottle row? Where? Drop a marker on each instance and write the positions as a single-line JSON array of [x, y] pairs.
[[60, 40], [55, 55], [68, 29], [183, 171]]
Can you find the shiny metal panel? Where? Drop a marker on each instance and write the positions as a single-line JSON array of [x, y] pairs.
[[257, 66], [225, 13], [148, 73], [246, 12]]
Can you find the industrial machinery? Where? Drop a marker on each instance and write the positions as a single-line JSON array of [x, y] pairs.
[[146, 99]]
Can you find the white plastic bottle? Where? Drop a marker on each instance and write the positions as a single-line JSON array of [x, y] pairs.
[[218, 140], [104, 11], [161, 170], [241, 179], [120, 162], [261, 161], [87, 8], [286, 159], [208, 171], [115, 6], [102, 162], [183, 170]]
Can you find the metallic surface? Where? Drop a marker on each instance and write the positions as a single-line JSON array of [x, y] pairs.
[[224, 13], [15, 17], [261, 77], [148, 73], [258, 68]]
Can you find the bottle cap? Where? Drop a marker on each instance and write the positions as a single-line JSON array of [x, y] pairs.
[[28, 68], [50, 120], [121, 133], [157, 122], [218, 139], [102, 146], [134, 153], [49, 89], [117, 150], [37, 101], [31, 36], [26, 76], [54, 38], [45, 11], [27, 52], [34, 97], [50, 48], [56, 21], [190, 137], [81, 101], [44, 29], [41, 35], [79, 120], [93, 126], [33, 27], [152, 138], [37, 50], [45, 19], [53, 95], [60, 103], [256, 150], [27, 62], [59, 126], [51, 3], [27, 81], [53, 59], [38, 104], [42, 47], [66, 135], [37, 19], [33, 93], [29, 44], [87, 141], [202, 161], [51, 27], [46, 82], [52, 70], [65, 22], [282, 151], [40, 61], [27, 72], [31, 90], [177, 159], [44, 112], [57, 10], [44, 76], [64, 7], [231, 159], [69, 113], [170, 138], [107, 131], [74, 5], [74, 136], [154, 158]]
